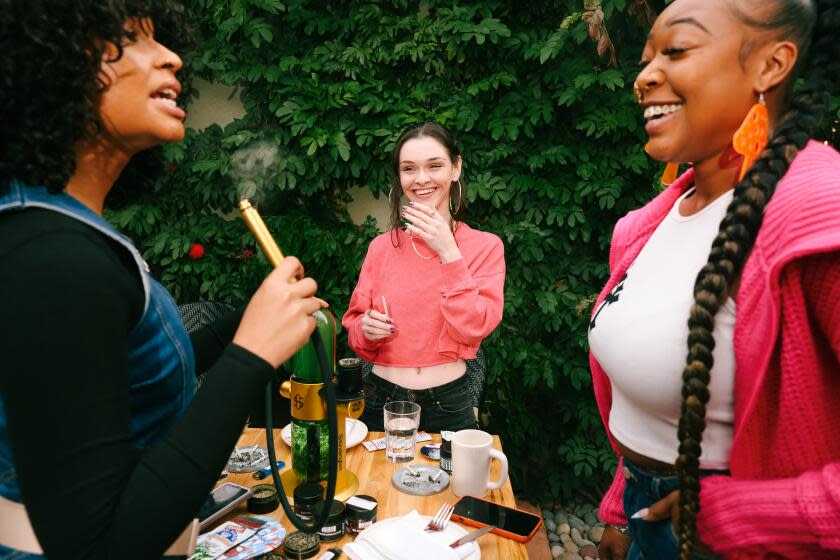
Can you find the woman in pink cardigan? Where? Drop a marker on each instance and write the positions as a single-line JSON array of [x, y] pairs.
[[760, 311], [430, 289]]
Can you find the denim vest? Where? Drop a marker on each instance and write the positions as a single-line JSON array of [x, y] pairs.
[[161, 365]]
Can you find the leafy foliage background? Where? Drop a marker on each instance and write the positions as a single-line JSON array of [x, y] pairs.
[[553, 145]]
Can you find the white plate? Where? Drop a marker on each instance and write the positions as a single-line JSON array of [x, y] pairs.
[[355, 431], [453, 531]]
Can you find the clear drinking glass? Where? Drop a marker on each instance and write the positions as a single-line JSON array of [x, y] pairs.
[[401, 421]]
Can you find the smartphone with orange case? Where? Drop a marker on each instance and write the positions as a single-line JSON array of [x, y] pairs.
[[511, 523]]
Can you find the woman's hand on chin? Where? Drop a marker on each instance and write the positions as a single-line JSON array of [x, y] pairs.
[[429, 225]]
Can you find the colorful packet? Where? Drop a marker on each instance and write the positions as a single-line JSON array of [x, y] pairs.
[[269, 537], [222, 538]]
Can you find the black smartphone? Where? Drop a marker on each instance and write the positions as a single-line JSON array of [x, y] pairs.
[[512, 523], [221, 501]]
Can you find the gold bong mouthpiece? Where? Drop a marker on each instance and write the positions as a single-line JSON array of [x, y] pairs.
[[258, 228]]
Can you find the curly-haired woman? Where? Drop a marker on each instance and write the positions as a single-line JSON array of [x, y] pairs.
[[760, 311], [104, 452]]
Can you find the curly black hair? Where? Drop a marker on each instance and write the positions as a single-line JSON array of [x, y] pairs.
[[51, 83], [803, 21]]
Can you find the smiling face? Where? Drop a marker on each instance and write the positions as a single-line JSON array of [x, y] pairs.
[[696, 86], [138, 105], [426, 172]]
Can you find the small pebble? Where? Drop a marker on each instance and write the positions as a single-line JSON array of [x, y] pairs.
[[576, 536], [570, 556], [577, 523], [550, 525], [553, 537], [563, 529], [557, 551], [566, 540], [595, 533], [571, 547], [589, 550]]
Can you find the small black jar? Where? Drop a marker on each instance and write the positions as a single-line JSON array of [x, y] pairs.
[[361, 513], [333, 529], [308, 498]]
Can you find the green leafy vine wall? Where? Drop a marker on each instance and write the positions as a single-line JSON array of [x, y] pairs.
[[553, 157]]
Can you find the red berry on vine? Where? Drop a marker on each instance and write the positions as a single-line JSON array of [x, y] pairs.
[[196, 251]]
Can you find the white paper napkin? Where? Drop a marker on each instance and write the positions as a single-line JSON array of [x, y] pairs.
[[404, 538]]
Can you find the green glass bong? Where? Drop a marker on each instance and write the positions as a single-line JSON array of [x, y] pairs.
[[310, 432], [319, 445]]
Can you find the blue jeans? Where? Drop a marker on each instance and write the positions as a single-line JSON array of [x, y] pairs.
[[652, 540], [445, 407], [9, 554]]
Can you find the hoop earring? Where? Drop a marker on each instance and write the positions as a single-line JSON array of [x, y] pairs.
[[460, 195], [751, 137], [638, 94]]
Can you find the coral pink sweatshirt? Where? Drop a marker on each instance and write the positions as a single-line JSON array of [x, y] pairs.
[[442, 312], [783, 495]]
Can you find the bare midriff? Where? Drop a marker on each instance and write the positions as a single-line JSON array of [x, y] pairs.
[[422, 377], [641, 460]]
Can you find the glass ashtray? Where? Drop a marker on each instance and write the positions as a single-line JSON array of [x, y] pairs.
[[247, 459]]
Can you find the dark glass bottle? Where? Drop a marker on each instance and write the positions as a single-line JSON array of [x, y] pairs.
[[310, 438]]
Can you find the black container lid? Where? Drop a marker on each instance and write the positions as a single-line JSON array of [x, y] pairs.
[[350, 363], [300, 546], [336, 512], [264, 499], [308, 494], [359, 511]]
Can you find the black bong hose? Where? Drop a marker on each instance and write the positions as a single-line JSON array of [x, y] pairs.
[[332, 423]]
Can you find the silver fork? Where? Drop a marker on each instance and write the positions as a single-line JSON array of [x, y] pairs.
[[441, 518]]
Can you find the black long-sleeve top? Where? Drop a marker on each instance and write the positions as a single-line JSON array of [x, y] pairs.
[[69, 298]]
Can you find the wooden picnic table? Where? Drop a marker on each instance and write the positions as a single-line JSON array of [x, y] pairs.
[[374, 474]]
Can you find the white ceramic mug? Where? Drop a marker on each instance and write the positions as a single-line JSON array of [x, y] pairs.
[[472, 451]]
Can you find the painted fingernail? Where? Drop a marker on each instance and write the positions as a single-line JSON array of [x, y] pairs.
[[411, 204], [641, 514]]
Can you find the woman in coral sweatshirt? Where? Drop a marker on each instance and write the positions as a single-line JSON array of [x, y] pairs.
[[760, 312], [430, 289]]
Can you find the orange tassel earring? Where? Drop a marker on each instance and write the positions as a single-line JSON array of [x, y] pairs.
[[751, 138], [670, 173]]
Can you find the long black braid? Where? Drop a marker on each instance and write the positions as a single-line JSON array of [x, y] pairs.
[[738, 231]]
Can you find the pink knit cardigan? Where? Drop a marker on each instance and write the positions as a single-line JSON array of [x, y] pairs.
[[783, 495]]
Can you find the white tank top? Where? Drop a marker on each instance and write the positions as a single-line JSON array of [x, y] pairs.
[[639, 333]]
